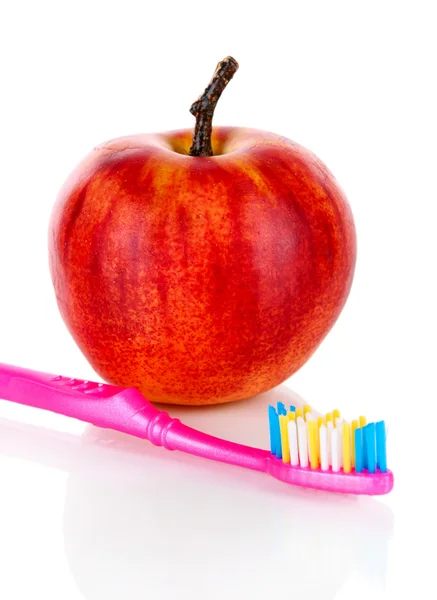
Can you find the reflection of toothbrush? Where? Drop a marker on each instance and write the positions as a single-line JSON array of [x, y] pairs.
[[127, 410]]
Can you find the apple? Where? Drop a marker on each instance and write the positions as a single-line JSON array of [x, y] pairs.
[[201, 269]]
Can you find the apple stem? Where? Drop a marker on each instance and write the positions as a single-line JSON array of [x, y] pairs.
[[203, 108]]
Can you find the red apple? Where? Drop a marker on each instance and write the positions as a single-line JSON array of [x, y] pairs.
[[201, 279]]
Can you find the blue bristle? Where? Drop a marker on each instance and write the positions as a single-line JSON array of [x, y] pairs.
[[272, 417], [292, 408], [358, 450], [278, 444], [369, 435], [364, 447], [381, 447], [281, 409], [277, 435]]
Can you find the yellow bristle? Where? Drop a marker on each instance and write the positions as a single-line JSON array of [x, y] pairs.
[[306, 410], [363, 421], [292, 415], [321, 421], [354, 427], [299, 413], [335, 415], [312, 442], [283, 420], [346, 448], [328, 417]]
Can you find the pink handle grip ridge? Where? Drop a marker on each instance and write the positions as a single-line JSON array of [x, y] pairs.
[[126, 410]]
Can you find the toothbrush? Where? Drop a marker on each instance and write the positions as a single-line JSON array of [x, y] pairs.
[[349, 454], [126, 410]]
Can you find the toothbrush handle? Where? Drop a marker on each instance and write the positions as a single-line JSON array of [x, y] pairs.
[[97, 403], [170, 433], [121, 409], [9, 372]]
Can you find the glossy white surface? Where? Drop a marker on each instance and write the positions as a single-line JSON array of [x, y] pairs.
[[93, 514], [90, 514]]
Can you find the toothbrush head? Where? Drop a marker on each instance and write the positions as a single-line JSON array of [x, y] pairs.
[[327, 452]]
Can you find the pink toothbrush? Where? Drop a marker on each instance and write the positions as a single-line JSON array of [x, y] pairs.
[[127, 411]]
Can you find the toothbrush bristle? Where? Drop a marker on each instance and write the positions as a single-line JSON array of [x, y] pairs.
[[381, 434], [328, 443]]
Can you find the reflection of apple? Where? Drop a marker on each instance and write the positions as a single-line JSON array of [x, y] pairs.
[[201, 279]]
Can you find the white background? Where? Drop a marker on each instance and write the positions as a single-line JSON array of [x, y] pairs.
[[90, 514]]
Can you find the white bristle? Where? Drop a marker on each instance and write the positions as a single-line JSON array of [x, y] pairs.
[[339, 427], [330, 429], [292, 442], [323, 436], [334, 450], [302, 441]]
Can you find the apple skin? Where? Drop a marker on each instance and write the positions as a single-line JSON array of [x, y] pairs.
[[201, 280]]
